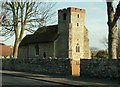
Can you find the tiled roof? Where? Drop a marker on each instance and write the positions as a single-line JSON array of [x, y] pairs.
[[42, 35], [6, 50]]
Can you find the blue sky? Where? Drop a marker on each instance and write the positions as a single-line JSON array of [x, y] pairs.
[[96, 21]]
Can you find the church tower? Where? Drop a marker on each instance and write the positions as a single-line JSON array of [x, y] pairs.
[[73, 39]]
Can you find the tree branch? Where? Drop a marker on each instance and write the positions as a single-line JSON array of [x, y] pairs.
[[22, 21], [110, 12], [117, 15]]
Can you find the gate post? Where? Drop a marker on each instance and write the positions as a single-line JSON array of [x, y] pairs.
[[75, 64]]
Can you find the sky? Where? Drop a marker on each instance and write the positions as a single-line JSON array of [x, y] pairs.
[[96, 21]]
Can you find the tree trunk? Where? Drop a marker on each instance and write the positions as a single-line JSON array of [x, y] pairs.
[[112, 43], [112, 26], [15, 51], [118, 45]]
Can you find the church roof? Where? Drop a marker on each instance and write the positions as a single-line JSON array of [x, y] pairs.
[[42, 35]]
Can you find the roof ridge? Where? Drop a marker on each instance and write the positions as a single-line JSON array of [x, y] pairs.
[[42, 35]]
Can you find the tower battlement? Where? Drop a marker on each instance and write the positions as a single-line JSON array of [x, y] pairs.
[[72, 9]]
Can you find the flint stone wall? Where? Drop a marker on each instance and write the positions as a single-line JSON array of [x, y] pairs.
[[100, 68], [43, 66]]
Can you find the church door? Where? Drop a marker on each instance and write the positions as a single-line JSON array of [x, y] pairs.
[[44, 54]]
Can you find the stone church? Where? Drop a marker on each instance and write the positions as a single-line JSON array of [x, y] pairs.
[[68, 39]]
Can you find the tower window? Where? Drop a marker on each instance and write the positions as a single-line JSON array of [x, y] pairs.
[[37, 49], [78, 16], [77, 24], [77, 48], [64, 16]]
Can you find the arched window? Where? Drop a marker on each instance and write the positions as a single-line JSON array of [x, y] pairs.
[[77, 48], [37, 49]]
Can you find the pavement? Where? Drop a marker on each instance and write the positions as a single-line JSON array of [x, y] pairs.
[[66, 80]]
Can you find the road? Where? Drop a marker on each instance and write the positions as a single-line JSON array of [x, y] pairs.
[[20, 81]]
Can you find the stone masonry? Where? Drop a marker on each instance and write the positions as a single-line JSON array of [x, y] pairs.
[[73, 34], [100, 68], [41, 66]]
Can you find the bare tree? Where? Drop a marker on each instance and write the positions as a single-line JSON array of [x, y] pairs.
[[112, 20], [94, 51], [104, 41], [102, 54], [18, 17]]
